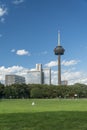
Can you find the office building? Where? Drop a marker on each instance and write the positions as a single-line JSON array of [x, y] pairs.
[[64, 82], [14, 79], [46, 76], [39, 75]]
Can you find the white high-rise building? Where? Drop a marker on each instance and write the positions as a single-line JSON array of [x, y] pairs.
[[39, 75]]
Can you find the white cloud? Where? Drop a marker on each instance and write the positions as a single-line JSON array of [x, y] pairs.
[[18, 70], [12, 69], [75, 77], [3, 11], [33, 69], [71, 76], [13, 50], [17, 2], [52, 63], [64, 62], [69, 63], [22, 52]]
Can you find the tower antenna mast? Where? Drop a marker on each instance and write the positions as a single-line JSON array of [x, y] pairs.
[[58, 38]]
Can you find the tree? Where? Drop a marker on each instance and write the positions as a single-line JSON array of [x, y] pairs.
[[1, 90]]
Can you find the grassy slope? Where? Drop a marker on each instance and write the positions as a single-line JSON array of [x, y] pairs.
[[45, 115]]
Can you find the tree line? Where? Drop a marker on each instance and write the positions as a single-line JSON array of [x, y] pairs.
[[18, 91]]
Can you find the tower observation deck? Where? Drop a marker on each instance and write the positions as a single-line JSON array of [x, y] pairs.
[[59, 50]]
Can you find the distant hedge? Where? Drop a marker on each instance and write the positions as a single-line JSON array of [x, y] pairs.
[[16, 91]]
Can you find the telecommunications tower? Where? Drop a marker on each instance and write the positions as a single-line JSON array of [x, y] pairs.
[[59, 50]]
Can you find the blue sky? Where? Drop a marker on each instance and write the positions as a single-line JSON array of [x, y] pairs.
[[29, 34]]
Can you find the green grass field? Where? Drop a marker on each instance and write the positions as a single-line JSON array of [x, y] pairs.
[[46, 114]]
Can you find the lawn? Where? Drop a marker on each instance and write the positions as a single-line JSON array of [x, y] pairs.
[[46, 114]]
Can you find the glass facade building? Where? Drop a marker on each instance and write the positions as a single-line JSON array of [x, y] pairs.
[[46, 76], [64, 82], [39, 75], [14, 79]]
